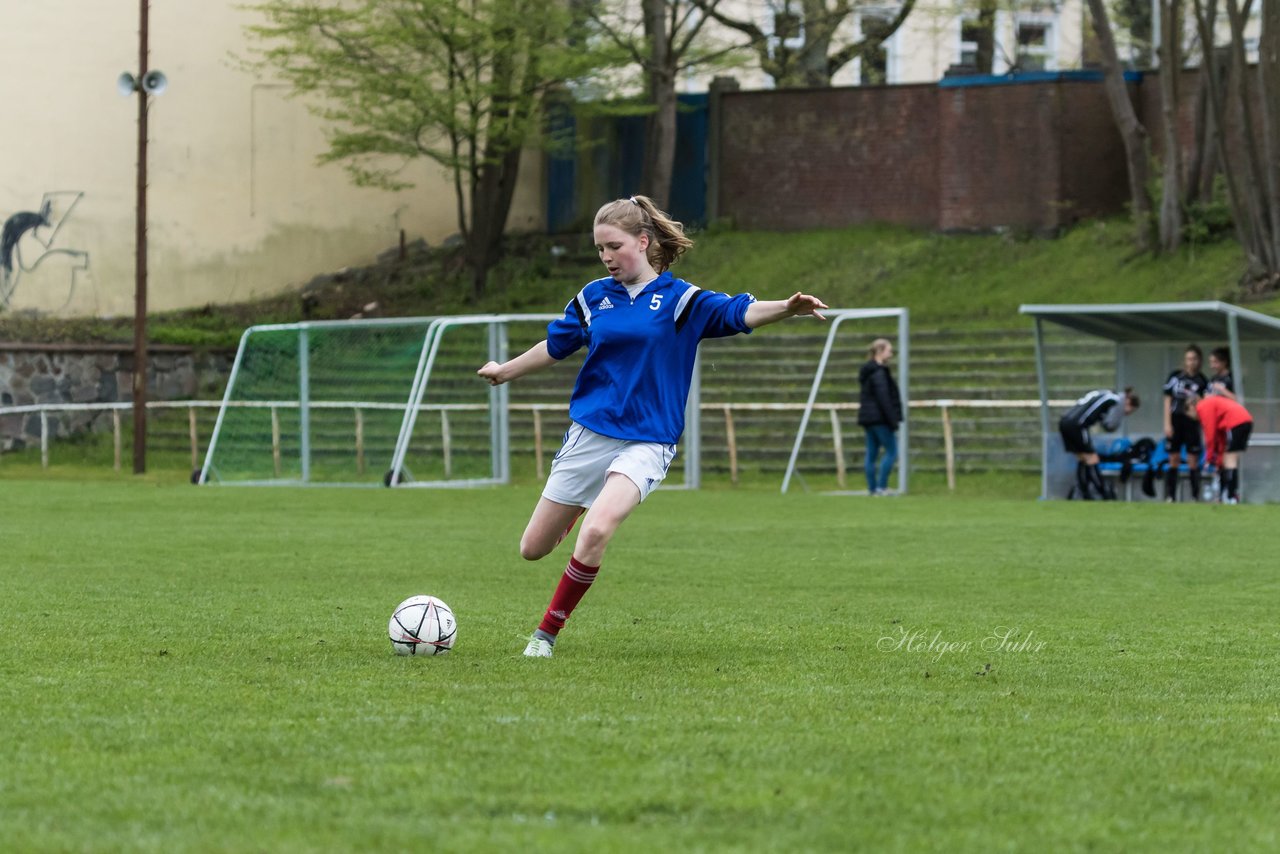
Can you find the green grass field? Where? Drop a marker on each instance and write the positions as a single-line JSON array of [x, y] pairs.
[[188, 669]]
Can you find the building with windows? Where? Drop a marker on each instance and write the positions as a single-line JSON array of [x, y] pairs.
[[937, 36], [958, 36]]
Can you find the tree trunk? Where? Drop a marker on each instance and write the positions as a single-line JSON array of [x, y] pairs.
[[1132, 132], [986, 44], [1218, 95], [660, 141], [495, 172], [1269, 97], [490, 208], [1255, 175], [1204, 157], [660, 130], [1171, 220]]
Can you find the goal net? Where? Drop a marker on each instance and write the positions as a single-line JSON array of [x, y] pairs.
[[315, 403]]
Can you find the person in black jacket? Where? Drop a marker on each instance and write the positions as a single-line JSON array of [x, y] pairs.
[[879, 413], [1181, 430]]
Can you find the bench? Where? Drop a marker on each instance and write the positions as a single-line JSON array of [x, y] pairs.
[[1158, 462]]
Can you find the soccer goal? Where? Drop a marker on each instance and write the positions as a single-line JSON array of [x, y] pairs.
[[821, 382], [391, 403], [315, 402], [397, 402]]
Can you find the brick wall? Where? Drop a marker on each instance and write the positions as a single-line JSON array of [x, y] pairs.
[[829, 157], [1093, 175], [1000, 163], [1025, 155]]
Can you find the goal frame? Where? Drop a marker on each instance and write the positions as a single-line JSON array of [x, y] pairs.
[[303, 402], [500, 408], [838, 316], [437, 326], [397, 473]]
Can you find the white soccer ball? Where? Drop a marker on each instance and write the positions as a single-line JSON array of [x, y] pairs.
[[422, 625]]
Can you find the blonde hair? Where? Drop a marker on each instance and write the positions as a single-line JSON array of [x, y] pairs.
[[878, 346], [639, 215]]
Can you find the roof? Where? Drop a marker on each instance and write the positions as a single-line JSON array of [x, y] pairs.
[[1087, 75], [1159, 321]]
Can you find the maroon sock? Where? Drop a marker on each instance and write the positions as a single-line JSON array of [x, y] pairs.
[[569, 592]]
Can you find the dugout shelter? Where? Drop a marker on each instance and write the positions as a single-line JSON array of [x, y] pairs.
[[1147, 341]]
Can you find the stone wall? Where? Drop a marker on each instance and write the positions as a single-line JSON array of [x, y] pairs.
[[103, 373]]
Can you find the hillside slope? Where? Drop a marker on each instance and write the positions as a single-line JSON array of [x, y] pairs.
[[947, 281]]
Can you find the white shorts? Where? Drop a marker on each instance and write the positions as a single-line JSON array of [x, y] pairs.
[[584, 461]]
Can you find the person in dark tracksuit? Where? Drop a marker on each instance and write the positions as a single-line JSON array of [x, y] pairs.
[[1182, 437], [1102, 406], [879, 413]]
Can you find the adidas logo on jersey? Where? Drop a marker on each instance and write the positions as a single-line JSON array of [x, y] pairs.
[[604, 303]]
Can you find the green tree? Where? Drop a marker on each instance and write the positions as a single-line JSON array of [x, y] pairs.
[[459, 82]]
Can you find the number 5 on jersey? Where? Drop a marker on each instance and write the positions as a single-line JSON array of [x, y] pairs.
[[655, 302]]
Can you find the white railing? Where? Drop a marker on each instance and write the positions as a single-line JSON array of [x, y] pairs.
[[944, 406]]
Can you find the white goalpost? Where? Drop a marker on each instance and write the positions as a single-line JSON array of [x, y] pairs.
[[838, 316], [340, 403], [396, 402]]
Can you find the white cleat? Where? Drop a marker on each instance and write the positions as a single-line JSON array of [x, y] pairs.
[[538, 648]]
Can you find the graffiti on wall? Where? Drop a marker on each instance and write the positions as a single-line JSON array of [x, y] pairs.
[[28, 239]]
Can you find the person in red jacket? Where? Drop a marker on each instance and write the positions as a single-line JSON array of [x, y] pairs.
[[1226, 425]]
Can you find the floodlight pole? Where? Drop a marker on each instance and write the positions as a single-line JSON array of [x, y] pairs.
[[140, 264]]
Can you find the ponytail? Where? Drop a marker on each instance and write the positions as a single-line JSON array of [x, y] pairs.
[[639, 215]]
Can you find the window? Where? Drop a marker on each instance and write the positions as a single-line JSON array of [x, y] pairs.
[[971, 32], [1035, 48]]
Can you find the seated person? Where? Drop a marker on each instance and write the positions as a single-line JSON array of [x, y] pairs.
[[1101, 406], [1227, 426]]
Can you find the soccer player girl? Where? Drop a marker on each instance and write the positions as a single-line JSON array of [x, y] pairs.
[[1181, 431], [1221, 382], [1227, 427], [641, 327], [1102, 406]]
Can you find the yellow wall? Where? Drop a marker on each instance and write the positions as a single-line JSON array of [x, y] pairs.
[[238, 207]]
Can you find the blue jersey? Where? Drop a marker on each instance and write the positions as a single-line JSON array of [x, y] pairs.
[[640, 352]]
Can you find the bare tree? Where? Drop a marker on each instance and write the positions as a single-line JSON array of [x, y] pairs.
[[804, 48], [1132, 132], [667, 40], [1203, 167], [1253, 185], [1171, 196]]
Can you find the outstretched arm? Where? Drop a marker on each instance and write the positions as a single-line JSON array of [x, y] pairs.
[[534, 359], [764, 312]]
